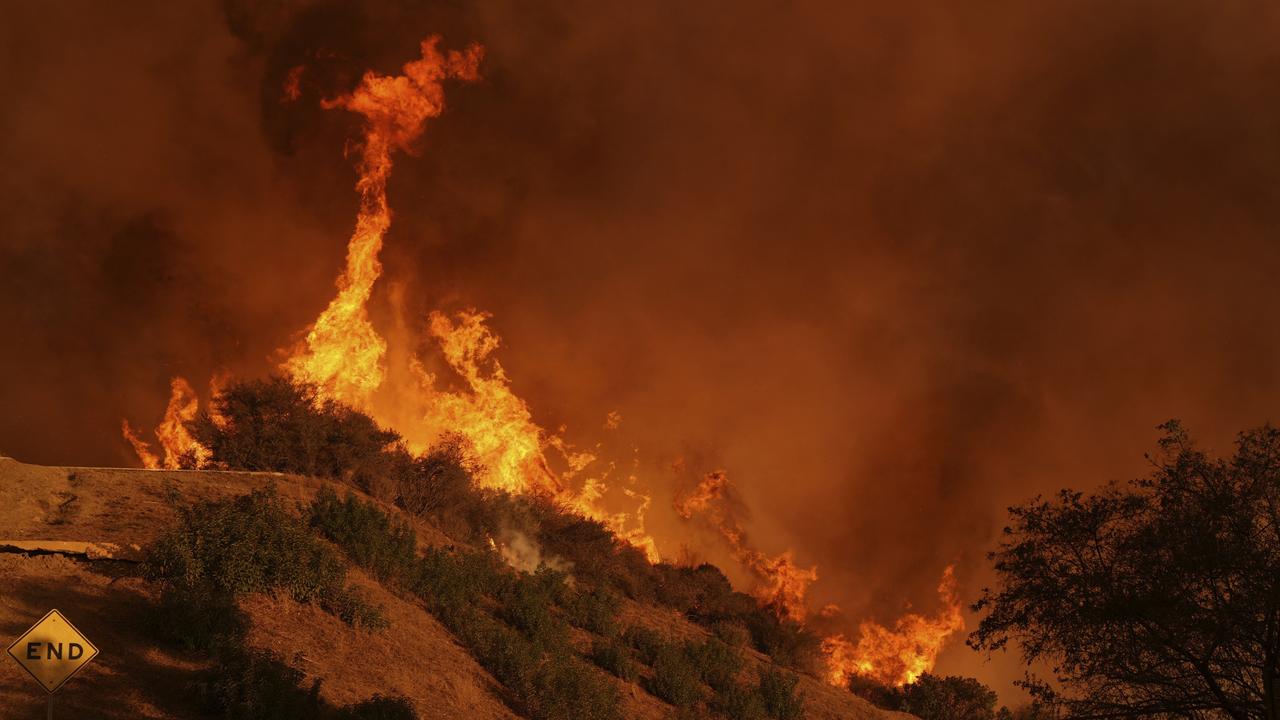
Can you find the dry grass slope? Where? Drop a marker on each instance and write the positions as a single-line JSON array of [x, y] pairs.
[[125, 509]]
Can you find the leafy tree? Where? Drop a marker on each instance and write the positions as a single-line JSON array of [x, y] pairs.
[[1152, 599], [282, 426]]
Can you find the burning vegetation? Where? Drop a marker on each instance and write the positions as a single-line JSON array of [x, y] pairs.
[[464, 449]]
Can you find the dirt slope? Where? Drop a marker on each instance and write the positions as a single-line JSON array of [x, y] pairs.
[[69, 538]]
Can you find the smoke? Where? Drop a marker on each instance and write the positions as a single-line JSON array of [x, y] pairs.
[[525, 554], [892, 267]]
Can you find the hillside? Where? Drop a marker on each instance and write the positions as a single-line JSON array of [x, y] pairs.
[[71, 538]]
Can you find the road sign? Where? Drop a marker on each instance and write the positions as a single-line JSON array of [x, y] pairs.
[[52, 651]]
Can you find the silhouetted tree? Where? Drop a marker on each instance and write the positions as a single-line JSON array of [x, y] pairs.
[[279, 425], [1153, 599], [932, 697]]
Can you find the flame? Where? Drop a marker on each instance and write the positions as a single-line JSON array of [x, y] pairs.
[[510, 448], [141, 447], [181, 450], [894, 657], [496, 422], [901, 655], [780, 583], [343, 354]]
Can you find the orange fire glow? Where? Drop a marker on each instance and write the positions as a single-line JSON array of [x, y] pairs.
[[900, 655], [181, 450], [779, 581], [344, 356], [347, 359], [893, 657]]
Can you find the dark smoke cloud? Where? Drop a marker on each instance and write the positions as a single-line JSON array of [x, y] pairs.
[[893, 267]]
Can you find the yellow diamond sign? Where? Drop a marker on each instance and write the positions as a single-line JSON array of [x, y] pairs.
[[52, 650]]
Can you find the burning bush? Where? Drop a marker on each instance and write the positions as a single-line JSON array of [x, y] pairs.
[[875, 692]]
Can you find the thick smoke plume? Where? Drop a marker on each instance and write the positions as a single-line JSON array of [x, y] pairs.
[[891, 266]]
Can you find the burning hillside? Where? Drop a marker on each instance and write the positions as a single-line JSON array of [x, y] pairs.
[[346, 358]]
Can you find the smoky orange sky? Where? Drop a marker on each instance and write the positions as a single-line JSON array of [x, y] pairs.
[[893, 266]]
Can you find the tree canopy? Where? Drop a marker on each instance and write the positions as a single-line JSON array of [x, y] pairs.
[[1157, 598]]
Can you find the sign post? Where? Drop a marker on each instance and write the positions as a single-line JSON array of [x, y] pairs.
[[52, 651]]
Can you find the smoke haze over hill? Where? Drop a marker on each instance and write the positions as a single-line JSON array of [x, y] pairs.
[[892, 268]]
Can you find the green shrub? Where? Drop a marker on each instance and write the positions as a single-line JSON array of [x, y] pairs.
[[452, 580], [614, 658], [565, 689], [378, 707], [599, 557], [541, 685], [718, 664], [675, 679], [256, 685], [778, 691], [646, 642], [370, 538], [247, 544], [225, 548], [731, 633], [738, 703], [701, 592], [527, 604], [508, 655], [350, 605], [199, 620], [595, 611]]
